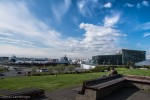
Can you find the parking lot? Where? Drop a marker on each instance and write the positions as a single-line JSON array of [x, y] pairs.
[[14, 72]]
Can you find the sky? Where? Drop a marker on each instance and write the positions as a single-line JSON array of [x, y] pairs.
[[76, 28]]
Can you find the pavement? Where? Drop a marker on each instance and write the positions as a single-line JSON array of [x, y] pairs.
[[123, 94], [13, 72], [61, 94], [128, 94]]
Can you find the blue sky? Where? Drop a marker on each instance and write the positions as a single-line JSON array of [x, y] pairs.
[[76, 28]]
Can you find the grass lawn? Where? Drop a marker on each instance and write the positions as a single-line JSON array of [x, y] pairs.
[[48, 82], [133, 71], [51, 82]]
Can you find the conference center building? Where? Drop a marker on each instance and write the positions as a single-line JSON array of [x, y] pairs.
[[123, 58]]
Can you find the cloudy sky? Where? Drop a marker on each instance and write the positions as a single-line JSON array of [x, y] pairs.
[[76, 28]]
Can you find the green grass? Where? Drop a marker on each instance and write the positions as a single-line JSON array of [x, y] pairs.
[[133, 71], [51, 82], [48, 82]]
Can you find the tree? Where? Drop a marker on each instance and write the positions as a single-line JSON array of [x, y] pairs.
[[71, 68], [60, 68], [130, 64], [34, 69], [50, 69]]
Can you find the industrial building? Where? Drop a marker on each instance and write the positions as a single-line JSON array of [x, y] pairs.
[[123, 58]]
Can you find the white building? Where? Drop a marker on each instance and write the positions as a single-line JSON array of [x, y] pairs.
[[86, 66]]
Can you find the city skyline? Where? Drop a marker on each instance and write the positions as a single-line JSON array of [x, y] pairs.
[[76, 28]]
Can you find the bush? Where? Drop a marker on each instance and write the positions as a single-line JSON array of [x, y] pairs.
[[77, 72], [3, 69], [87, 71], [122, 66], [37, 74], [100, 69], [42, 73], [148, 67]]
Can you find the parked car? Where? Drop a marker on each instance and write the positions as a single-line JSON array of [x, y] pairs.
[[43, 70], [19, 72], [1, 74]]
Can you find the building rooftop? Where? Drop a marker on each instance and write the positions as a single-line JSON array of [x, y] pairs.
[[143, 63]]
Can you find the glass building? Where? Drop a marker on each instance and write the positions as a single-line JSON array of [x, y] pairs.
[[107, 59], [127, 56], [132, 56]]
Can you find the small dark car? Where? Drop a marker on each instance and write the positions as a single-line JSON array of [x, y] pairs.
[[2, 74], [19, 72]]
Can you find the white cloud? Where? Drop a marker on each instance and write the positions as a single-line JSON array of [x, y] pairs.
[[142, 4], [146, 34], [128, 5], [7, 40], [97, 40], [82, 9], [103, 39], [145, 26], [111, 20], [145, 3], [138, 45], [108, 5], [8, 50], [138, 5], [60, 9], [11, 18], [21, 33], [18, 27], [86, 7]]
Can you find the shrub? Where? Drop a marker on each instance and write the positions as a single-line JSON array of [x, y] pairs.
[[100, 69], [87, 71], [122, 66], [37, 74], [3, 69]]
